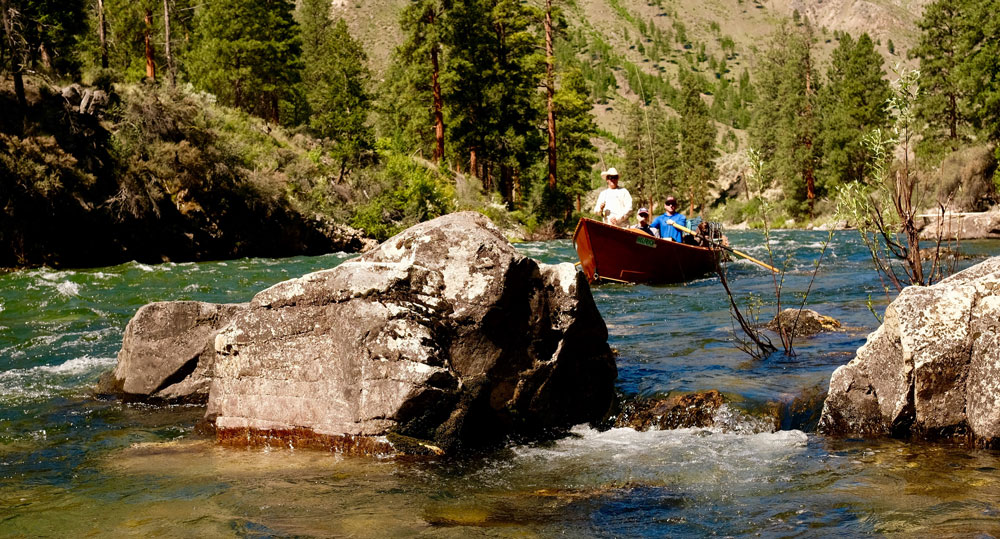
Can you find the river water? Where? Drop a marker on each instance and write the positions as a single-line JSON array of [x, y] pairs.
[[73, 465]]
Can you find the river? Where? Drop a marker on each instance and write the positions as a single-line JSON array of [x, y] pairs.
[[73, 465]]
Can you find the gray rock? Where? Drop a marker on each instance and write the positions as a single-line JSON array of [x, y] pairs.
[[93, 102], [932, 368], [961, 226], [168, 351], [443, 333], [72, 94]]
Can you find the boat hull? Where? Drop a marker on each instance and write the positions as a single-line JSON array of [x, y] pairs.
[[617, 254]]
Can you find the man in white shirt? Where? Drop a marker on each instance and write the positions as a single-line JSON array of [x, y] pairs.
[[615, 203]]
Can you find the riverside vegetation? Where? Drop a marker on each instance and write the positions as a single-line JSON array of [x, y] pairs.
[[213, 119]]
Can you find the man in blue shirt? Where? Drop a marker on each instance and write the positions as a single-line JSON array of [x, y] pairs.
[[670, 215]]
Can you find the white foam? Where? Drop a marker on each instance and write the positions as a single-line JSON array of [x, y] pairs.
[[44, 381], [68, 288], [78, 365], [692, 458], [47, 274]]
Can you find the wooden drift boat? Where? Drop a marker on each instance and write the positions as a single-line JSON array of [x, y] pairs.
[[611, 253]]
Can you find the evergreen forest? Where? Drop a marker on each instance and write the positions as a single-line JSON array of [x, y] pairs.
[[194, 130]]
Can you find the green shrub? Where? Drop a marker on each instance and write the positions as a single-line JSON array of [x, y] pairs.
[[403, 193]]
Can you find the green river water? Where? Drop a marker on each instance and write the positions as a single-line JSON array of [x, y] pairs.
[[72, 465]]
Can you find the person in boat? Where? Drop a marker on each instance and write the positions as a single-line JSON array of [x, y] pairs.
[[614, 203], [703, 236], [664, 224], [643, 225]]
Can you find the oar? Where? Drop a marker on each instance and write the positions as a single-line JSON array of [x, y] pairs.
[[683, 228]]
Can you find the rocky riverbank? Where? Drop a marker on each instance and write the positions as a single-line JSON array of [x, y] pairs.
[[931, 370], [99, 176]]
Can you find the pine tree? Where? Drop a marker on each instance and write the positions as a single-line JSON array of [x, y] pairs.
[[784, 125], [494, 105], [574, 128], [334, 80], [980, 70], [853, 102], [13, 53], [50, 30], [118, 34], [247, 52], [651, 164], [420, 59], [697, 137], [942, 107], [126, 30], [39, 35], [404, 113]]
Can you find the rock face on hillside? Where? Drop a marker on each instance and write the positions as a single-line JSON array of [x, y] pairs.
[[933, 367], [443, 333], [168, 351]]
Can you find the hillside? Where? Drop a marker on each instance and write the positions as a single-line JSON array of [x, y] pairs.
[[157, 174], [623, 24]]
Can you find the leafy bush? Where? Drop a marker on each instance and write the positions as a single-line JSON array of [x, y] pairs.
[[403, 193], [738, 211]]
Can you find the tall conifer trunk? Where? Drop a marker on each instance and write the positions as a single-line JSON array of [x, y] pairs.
[[17, 56], [171, 74], [101, 36], [953, 119], [809, 172], [507, 186], [43, 52], [550, 84], [150, 63], [438, 104]]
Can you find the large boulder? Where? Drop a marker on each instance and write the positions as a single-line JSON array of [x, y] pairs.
[[932, 369], [961, 226], [168, 351], [443, 333]]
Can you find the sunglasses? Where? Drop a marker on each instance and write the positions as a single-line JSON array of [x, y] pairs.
[[671, 204]]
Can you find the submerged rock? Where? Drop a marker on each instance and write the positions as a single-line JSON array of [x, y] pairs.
[[691, 410], [804, 323], [442, 337], [932, 369], [671, 412], [168, 351]]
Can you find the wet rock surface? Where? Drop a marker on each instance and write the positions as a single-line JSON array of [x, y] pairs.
[[671, 412], [691, 410], [931, 370], [442, 338], [804, 323]]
